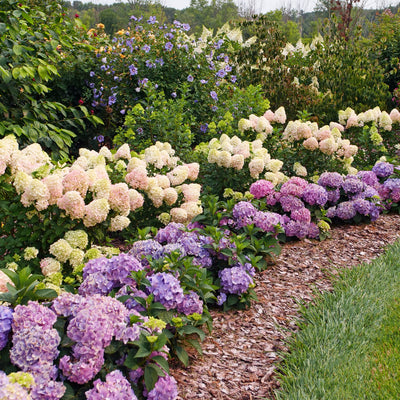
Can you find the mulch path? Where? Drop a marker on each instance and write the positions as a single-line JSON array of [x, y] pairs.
[[241, 355]]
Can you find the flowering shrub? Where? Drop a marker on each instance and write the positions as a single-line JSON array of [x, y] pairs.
[[144, 55], [99, 192], [375, 132]]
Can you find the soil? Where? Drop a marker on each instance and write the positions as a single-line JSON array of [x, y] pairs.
[[241, 355]]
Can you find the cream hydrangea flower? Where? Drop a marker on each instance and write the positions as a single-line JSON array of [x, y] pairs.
[[106, 153], [194, 169], [123, 152], [280, 115], [136, 199], [77, 239], [178, 215], [119, 223], [311, 143], [101, 189], [299, 169], [237, 162], [36, 193], [137, 178], [395, 116], [224, 159], [119, 200], [256, 166], [135, 162], [96, 212], [30, 253], [178, 175], [21, 181], [191, 192], [61, 250], [192, 208], [170, 196], [156, 195], [274, 165], [73, 204]]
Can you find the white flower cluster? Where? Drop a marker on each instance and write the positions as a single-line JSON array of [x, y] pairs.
[[84, 190]]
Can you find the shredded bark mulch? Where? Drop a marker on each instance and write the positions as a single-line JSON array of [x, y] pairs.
[[241, 355]]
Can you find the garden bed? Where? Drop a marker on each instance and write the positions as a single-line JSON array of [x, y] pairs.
[[242, 353]]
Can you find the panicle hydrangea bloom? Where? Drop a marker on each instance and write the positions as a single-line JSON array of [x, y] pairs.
[[256, 166], [243, 213], [30, 253], [49, 266], [73, 204], [178, 175], [6, 317], [123, 152], [235, 280], [315, 195], [383, 169], [54, 186], [77, 238], [164, 389], [119, 223], [76, 180], [119, 199], [191, 192], [136, 199], [178, 215], [61, 250], [137, 178], [311, 143], [194, 169], [261, 188], [36, 193], [96, 212], [192, 208], [116, 387], [166, 289]]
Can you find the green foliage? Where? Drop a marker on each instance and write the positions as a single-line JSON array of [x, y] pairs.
[[30, 40], [164, 120], [24, 288]]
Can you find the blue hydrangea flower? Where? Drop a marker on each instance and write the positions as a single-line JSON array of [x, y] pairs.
[[235, 280], [166, 289], [6, 317], [383, 169]]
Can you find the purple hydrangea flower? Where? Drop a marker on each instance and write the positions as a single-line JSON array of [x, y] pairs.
[[333, 196], [362, 206], [345, 210], [331, 180], [296, 229], [315, 195], [294, 187], [6, 317], [368, 177], [383, 169], [352, 185], [243, 213], [131, 303], [166, 289], [191, 304], [45, 389], [135, 375], [261, 188], [120, 268], [115, 387], [221, 299], [164, 389], [143, 248], [301, 215], [267, 221], [290, 203], [170, 234], [235, 280]]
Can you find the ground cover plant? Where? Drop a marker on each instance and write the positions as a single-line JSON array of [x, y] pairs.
[[346, 346], [113, 255]]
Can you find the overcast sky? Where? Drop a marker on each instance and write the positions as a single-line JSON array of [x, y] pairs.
[[267, 5]]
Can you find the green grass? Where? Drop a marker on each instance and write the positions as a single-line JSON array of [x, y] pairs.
[[348, 346]]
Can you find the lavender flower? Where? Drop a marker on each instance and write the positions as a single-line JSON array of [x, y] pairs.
[[164, 389], [331, 180], [383, 169], [345, 210], [6, 317], [290, 203], [352, 185], [166, 289], [267, 221], [368, 177], [243, 213], [143, 248], [170, 234], [191, 304], [315, 195], [115, 387], [235, 280]]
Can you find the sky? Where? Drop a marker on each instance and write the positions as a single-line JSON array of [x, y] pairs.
[[268, 5]]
